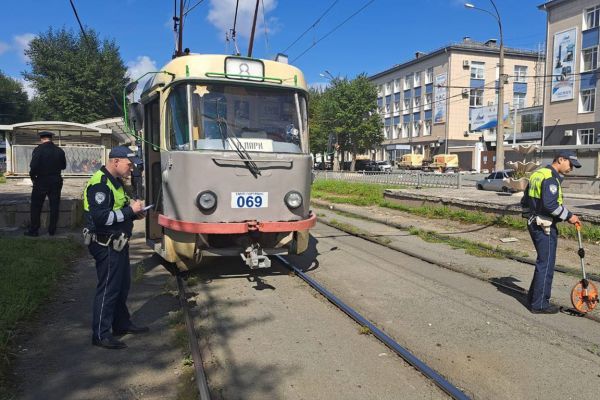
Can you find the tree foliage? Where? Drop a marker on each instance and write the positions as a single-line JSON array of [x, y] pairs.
[[318, 135], [78, 78], [14, 104], [348, 109]]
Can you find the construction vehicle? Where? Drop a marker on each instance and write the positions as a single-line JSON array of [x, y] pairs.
[[443, 163], [411, 161]]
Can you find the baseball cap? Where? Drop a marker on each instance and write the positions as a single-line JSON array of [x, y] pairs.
[[45, 134], [571, 156], [124, 152]]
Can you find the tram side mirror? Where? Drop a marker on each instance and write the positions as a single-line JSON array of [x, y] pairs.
[[131, 86], [136, 115]]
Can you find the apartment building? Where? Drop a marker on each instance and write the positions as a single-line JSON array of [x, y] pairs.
[[571, 118], [427, 103]]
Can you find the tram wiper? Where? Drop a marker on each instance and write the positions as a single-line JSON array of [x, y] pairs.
[[239, 148]]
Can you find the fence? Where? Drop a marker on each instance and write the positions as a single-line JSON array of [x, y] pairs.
[[410, 178], [81, 160]]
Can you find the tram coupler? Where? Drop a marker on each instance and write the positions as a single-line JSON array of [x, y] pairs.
[[254, 257]]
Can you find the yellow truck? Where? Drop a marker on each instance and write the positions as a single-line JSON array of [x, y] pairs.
[[444, 163], [410, 161]]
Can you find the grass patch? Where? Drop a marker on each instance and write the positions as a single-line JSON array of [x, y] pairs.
[[358, 232], [2, 178], [30, 270], [366, 194], [364, 330]]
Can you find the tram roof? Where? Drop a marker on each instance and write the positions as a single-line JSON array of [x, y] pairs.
[[212, 66]]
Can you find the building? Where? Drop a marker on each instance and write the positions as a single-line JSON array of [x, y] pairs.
[[427, 103], [571, 118]]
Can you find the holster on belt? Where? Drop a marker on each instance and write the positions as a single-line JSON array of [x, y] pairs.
[[544, 222]]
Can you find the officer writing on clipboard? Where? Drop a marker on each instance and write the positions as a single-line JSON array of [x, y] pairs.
[[109, 216]]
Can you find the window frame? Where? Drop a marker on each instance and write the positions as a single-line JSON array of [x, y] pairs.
[[594, 12], [477, 68], [520, 72], [588, 133], [476, 94], [522, 99], [594, 59], [582, 103]]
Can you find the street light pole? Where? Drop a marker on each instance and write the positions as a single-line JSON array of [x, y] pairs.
[[500, 115]]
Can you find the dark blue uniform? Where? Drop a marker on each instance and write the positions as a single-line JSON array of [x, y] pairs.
[[543, 197], [113, 269]]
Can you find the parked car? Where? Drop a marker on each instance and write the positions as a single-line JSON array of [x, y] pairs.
[[496, 181], [366, 165], [384, 166]]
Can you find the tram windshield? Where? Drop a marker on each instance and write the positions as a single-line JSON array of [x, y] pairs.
[[257, 118]]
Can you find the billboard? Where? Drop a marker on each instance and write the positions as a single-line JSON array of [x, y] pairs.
[[563, 65], [439, 98], [485, 117]]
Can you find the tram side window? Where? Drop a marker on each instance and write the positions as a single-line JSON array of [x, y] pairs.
[[177, 119], [152, 124]]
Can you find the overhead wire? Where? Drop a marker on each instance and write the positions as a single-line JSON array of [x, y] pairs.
[[189, 9], [334, 29], [314, 24]]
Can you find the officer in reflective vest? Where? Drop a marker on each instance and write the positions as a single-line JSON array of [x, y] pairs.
[[109, 216], [544, 200]]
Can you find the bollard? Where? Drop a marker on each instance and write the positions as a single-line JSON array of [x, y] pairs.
[[419, 180], [459, 180]]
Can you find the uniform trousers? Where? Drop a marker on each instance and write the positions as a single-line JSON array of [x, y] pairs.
[[114, 280], [45, 186], [541, 284]]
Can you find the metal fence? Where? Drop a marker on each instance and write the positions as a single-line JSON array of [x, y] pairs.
[[407, 178], [81, 160]]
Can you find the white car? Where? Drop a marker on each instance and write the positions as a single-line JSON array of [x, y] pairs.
[[496, 181], [384, 166]]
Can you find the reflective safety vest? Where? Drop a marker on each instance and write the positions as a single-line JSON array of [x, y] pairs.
[[535, 184], [119, 195]]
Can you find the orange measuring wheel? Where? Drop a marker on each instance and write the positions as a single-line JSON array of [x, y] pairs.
[[584, 296]]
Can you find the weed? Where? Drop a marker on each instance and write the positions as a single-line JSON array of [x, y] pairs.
[[188, 361], [364, 330], [138, 272], [192, 281], [2, 178]]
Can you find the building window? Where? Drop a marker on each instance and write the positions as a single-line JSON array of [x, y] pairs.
[[429, 76], [428, 100], [476, 98], [388, 87], [417, 79], [416, 103], [388, 132], [518, 100], [531, 122], [585, 136], [416, 128], [590, 58], [407, 81], [406, 105], [405, 128], [396, 131], [397, 106], [427, 128], [396, 85], [387, 107], [520, 73], [588, 100], [592, 15], [477, 70]]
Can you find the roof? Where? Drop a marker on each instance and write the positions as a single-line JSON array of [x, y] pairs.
[[117, 126], [36, 126], [551, 3], [465, 46]]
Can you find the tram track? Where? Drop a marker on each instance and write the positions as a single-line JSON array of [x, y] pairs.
[[449, 266], [405, 354]]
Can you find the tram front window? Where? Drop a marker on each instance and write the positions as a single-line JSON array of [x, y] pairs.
[[262, 119]]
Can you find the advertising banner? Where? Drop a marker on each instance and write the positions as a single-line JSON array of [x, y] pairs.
[[486, 117], [439, 99], [563, 65]]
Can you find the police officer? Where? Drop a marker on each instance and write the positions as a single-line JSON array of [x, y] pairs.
[[109, 216], [543, 199], [47, 161]]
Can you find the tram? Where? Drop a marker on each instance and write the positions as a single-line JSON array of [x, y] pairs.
[[226, 159]]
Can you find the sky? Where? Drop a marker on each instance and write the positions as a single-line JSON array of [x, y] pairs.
[[382, 34]]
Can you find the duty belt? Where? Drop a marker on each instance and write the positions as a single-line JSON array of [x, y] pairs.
[[117, 240]]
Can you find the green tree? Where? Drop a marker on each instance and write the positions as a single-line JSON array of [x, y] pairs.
[[78, 78], [349, 109], [14, 105], [319, 137]]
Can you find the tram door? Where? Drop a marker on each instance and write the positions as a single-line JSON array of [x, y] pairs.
[[153, 180]]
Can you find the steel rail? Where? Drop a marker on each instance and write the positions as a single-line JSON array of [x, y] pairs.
[[388, 341], [203, 392]]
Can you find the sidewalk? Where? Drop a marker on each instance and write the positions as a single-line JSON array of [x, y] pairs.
[[57, 361], [375, 221]]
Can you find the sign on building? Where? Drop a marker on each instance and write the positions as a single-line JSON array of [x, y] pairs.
[[563, 65], [486, 117], [440, 98]]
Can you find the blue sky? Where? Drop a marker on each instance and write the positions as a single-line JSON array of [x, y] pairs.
[[385, 33]]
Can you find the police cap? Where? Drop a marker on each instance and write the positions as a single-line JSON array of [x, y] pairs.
[[124, 152], [47, 134], [571, 156]]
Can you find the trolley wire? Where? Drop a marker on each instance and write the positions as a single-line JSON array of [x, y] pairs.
[[314, 24], [334, 29]]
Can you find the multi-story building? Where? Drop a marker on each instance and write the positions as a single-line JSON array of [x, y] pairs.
[[426, 103], [571, 118]]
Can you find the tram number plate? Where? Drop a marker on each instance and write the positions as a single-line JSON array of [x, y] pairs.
[[249, 199]]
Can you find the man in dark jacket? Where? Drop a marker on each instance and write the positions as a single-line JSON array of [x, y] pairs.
[[47, 162]]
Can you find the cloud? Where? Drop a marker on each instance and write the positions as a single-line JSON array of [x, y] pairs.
[[29, 89], [222, 12], [139, 67], [22, 43], [4, 47]]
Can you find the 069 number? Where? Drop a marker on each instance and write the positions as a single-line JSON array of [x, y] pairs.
[[249, 201]]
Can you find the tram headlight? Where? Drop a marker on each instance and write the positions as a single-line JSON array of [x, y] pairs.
[[206, 200], [293, 199]]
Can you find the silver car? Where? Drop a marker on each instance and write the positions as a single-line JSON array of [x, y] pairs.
[[496, 181]]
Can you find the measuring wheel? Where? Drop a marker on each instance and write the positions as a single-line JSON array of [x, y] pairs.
[[584, 296]]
